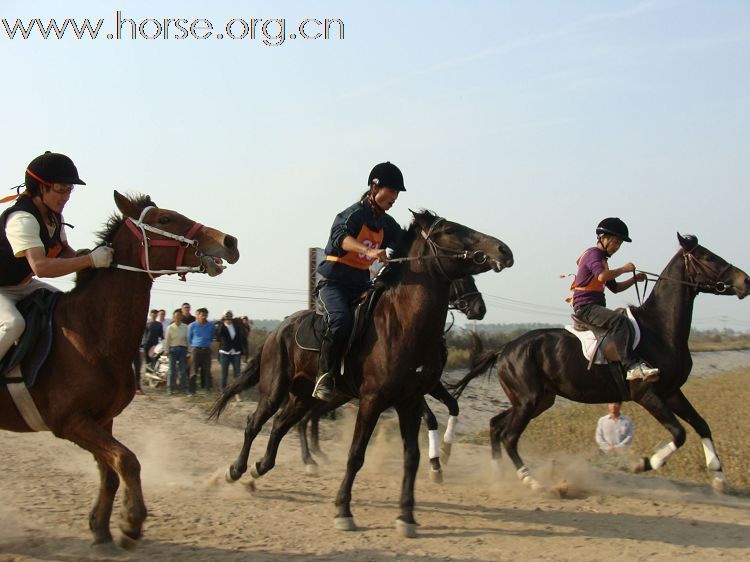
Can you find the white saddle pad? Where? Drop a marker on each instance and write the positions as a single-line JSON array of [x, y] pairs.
[[588, 339]]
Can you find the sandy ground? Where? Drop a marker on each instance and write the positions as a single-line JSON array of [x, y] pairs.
[[478, 513]]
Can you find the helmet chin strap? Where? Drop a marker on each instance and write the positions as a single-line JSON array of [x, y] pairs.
[[604, 247], [378, 210]]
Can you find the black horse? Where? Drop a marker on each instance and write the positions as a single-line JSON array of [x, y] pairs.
[[464, 297], [396, 363], [542, 364]]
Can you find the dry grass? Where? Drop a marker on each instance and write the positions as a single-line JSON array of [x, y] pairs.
[[722, 400]]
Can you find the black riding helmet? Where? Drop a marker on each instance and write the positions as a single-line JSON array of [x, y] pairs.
[[615, 227], [386, 174], [52, 167]]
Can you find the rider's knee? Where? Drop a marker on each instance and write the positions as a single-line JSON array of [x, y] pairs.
[[13, 327]]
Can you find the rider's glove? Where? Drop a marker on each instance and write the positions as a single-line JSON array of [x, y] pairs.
[[101, 256]]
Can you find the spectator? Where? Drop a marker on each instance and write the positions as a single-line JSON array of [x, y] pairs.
[[162, 317], [154, 332], [187, 318], [614, 432], [232, 345], [200, 334], [176, 345], [247, 325]]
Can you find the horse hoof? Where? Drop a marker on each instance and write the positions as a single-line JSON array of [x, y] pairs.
[[408, 530], [228, 476], [254, 472], [128, 543], [436, 476], [642, 465], [719, 484], [344, 524], [311, 469], [445, 452]]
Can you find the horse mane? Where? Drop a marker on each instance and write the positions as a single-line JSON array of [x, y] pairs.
[[115, 220], [107, 233], [391, 274]]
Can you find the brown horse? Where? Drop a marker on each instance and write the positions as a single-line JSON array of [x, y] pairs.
[[87, 379], [396, 363], [542, 364]]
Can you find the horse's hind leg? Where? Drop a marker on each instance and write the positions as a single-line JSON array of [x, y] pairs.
[[292, 412], [267, 406], [310, 465], [117, 460], [681, 406], [442, 394]]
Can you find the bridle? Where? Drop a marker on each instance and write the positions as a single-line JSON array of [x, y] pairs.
[[693, 268], [461, 302], [477, 256], [182, 243]]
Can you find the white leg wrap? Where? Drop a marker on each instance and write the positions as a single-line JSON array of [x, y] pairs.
[[712, 461], [434, 443], [450, 431], [658, 459], [526, 477]]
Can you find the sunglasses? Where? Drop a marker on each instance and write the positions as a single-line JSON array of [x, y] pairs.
[[62, 188]]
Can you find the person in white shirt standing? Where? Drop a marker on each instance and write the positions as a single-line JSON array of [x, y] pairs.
[[33, 241], [614, 432]]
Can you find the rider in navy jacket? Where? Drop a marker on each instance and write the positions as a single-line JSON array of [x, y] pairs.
[[359, 236]]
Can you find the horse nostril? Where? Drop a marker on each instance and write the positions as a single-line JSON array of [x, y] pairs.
[[230, 242]]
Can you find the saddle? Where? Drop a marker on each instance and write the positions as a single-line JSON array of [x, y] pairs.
[[597, 343], [32, 349]]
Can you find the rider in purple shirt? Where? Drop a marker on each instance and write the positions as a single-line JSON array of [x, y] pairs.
[[589, 302]]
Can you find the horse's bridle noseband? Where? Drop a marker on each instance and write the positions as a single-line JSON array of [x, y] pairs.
[[182, 243]]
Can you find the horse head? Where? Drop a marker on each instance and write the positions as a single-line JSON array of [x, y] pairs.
[[459, 250], [466, 298], [710, 273], [159, 240]]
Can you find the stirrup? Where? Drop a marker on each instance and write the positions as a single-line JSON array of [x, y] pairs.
[[641, 371], [323, 387]]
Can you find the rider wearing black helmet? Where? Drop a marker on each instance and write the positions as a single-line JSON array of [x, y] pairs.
[[33, 241], [359, 235], [588, 298]]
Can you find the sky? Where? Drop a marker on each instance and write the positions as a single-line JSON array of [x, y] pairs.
[[529, 121]]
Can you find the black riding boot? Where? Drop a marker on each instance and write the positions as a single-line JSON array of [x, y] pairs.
[[329, 365]]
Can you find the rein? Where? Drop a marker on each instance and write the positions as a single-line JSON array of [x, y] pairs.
[[691, 265], [139, 228]]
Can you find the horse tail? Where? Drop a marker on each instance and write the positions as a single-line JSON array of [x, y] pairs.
[[483, 363], [249, 377]]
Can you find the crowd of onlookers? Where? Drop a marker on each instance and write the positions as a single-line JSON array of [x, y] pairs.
[[187, 341]]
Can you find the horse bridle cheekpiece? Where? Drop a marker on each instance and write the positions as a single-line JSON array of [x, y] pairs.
[[477, 256], [182, 243], [694, 266]]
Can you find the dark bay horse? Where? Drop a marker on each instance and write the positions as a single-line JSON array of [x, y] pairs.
[[464, 297], [542, 364], [88, 379], [396, 362]]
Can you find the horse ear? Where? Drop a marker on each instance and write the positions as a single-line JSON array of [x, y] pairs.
[[126, 206], [688, 241]]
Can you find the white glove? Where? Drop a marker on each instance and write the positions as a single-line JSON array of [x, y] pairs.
[[102, 256]]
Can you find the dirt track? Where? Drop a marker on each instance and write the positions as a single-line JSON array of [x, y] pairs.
[[49, 486]]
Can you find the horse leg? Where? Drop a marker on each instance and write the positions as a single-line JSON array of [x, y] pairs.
[[658, 409], [409, 419], [436, 471], [367, 418], [267, 406], [118, 460], [509, 432], [319, 412], [311, 467], [442, 394], [292, 412], [681, 406]]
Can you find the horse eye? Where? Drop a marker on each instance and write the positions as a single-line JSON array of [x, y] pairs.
[[163, 220]]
